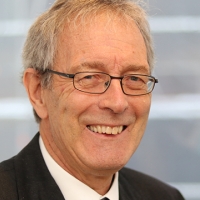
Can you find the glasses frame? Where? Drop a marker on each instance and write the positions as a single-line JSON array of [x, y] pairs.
[[111, 77]]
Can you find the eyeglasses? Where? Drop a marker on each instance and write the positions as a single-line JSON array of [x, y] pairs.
[[99, 82]]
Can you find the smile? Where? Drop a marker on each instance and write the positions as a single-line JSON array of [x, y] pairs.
[[106, 129]]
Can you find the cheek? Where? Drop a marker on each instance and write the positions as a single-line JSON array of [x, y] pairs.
[[142, 106], [73, 106]]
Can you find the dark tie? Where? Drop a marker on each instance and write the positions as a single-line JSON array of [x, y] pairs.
[[105, 198]]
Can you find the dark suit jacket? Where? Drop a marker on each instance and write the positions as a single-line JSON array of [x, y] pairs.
[[26, 177]]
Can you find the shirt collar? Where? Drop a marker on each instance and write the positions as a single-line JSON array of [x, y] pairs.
[[69, 185]]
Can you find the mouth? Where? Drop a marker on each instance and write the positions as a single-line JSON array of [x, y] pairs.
[[107, 129]]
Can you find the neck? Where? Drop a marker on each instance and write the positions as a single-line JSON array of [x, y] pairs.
[[100, 184], [99, 181]]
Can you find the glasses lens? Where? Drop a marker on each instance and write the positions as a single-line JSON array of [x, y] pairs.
[[91, 82], [137, 84]]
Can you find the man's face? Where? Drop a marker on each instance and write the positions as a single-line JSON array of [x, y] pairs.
[[113, 48]]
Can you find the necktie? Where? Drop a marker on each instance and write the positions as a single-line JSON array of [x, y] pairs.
[[105, 198]]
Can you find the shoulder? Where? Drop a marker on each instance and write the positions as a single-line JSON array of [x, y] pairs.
[[8, 189], [14, 170], [137, 177], [6, 171], [147, 186]]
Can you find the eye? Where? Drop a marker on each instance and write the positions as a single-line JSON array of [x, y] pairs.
[[134, 78], [135, 82], [88, 77], [86, 80]]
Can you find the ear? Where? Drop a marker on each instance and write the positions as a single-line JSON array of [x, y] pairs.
[[32, 83]]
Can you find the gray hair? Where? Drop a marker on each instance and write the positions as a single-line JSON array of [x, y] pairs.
[[41, 44]]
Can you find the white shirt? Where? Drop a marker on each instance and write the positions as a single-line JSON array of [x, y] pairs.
[[72, 188]]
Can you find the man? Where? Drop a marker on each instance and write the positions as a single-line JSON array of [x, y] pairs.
[[88, 66]]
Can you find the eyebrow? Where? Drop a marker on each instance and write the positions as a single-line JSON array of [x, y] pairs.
[[90, 65], [138, 69], [101, 66]]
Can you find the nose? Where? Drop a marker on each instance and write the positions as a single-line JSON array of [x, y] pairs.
[[114, 98]]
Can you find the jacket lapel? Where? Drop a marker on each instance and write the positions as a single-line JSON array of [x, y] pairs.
[[128, 190], [34, 181]]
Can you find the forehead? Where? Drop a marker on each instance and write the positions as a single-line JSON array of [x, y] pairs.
[[104, 38], [94, 26]]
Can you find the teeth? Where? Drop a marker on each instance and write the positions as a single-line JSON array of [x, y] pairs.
[[99, 130], [106, 129]]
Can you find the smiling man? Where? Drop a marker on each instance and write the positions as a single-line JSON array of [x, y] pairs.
[[87, 72]]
